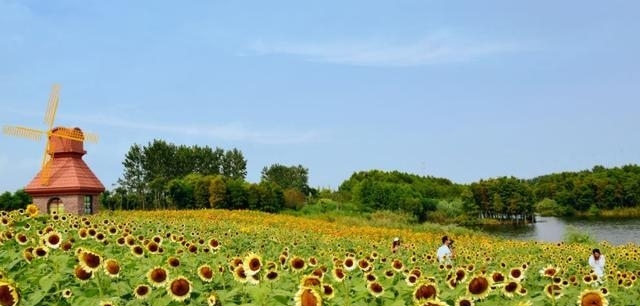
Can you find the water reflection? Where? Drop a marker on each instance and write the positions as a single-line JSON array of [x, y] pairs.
[[551, 229]]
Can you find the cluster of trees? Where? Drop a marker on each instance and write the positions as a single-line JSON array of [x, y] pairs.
[[151, 169], [380, 190], [503, 198], [11, 201], [598, 188], [162, 175]]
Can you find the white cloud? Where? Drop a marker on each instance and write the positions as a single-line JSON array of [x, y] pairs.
[[436, 49]]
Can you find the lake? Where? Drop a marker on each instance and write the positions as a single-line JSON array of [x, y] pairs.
[[552, 229]]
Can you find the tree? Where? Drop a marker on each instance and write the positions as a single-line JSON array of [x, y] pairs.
[[295, 177], [133, 177], [217, 192], [234, 165]]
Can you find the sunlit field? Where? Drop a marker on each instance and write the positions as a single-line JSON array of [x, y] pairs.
[[215, 257]]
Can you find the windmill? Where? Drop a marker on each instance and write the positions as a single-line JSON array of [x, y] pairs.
[[74, 134]]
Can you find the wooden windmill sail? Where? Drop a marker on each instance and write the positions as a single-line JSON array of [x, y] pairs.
[[51, 134]]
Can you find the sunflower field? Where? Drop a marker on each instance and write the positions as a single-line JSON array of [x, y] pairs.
[[220, 257]]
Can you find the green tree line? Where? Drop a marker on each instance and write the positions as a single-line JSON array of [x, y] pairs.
[[162, 175]]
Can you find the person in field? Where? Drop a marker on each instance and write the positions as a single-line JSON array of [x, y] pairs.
[[445, 252], [395, 245], [596, 262]]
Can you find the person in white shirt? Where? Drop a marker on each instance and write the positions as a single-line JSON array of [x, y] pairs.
[[445, 253], [596, 261]]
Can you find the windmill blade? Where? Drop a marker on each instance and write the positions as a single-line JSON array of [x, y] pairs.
[[52, 106], [25, 132], [75, 134]]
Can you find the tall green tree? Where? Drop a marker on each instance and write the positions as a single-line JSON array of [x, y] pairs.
[[234, 165], [287, 177]]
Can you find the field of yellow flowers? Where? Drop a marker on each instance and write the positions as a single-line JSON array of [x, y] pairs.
[[218, 257]]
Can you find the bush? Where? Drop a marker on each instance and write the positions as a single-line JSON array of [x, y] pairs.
[[575, 235]]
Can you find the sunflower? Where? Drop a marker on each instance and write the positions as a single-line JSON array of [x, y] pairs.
[[497, 277], [516, 274], [370, 277], [40, 251], [22, 239], [32, 210], [328, 292], [433, 302], [297, 264], [464, 301], [553, 291], [411, 280], [604, 291], [364, 265], [214, 244], [592, 298], [375, 289], [205, 273], [173, 262], [8, 294], [137, 251], [111, 268], [67, 293], [397, 265], [213, 300], [349, 263], [310, 281], [106, 303], [253, 264], [89, 261], [338, 274], [307, 297], [318, 272], [272, 275], [27, 254], [179, 288], [510, 288], [239, 274], [549, 271], [82, 274], [142, 292], [153, 247], [461, 275], [479, 287], [67, 245], [157, 276], [425, 291], [389, 273]]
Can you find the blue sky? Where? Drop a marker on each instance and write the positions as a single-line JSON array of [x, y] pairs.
[[457, 89]]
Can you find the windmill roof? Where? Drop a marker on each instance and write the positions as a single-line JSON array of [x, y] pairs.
[[68, 174]]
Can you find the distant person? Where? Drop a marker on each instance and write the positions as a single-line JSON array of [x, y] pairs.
[[395, 245], [445, 252], [596, 261]]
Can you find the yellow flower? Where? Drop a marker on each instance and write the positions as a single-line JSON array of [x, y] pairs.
[[32, 210], [141, 291], [179, 288], [479, 287], [8, 294], [307, 297], [592, 298]]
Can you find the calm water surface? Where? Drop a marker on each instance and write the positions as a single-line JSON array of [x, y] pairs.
[[551, 229]]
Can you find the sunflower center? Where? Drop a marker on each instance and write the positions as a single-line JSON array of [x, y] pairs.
[[425, 292], [180, 287], [591, 299], [478, 285]]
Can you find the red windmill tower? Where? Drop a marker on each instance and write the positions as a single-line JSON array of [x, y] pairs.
[[65, 182]]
